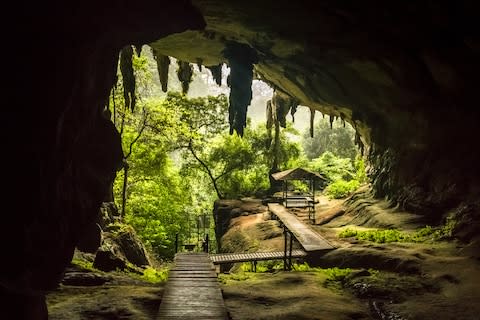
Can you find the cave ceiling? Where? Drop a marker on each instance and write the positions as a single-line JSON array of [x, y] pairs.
[[370, 63]]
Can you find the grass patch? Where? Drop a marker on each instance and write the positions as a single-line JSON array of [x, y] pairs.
[[263, 266], [427, 233], [235, 277]]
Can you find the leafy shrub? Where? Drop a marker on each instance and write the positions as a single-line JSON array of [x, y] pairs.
[[341, 188], [336, 274], [333, 167], [155, 276], [378, 236]]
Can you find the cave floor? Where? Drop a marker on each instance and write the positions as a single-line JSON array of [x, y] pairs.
[[400, 280], [122, 297], [435, 280]]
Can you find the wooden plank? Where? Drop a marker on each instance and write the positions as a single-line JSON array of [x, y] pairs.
[[256, 256], [192, 291], [308, 239]]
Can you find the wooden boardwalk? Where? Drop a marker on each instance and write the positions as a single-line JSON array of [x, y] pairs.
[[254, 256], [308, 239], [192, 290]]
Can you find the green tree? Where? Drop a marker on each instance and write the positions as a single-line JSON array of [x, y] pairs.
[[337, 139]]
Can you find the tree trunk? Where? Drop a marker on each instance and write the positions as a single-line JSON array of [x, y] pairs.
[[207, 169], [124, 189]]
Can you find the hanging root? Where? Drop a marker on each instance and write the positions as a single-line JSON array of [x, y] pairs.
[[163, 64], [185, 74], [126, 68]]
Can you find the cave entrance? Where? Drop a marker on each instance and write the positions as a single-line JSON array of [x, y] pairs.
[[180, 156]]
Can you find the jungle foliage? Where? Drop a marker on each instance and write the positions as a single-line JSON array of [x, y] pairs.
[[179, 158]]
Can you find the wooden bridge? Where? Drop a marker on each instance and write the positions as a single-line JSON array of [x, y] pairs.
[[192, 290], [254, 256], [309, 240]]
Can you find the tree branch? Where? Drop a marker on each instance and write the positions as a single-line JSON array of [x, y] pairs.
[[207, 169], [144, 125]]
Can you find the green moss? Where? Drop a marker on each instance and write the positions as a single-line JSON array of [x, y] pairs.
[[232, 278], [427, 233], [84, 265]]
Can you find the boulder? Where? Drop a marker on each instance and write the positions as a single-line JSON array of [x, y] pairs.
[[120, 247]]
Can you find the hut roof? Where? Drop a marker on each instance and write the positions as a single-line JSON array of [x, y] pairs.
[[298, 174]]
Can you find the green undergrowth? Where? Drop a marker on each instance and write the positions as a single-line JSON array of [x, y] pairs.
[[148, 274], [341, 188], [84, 265], [331, 274], [151, 275], [427, 233], [328, 275]]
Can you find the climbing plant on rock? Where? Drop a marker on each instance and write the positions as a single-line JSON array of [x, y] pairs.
[[128, 77]]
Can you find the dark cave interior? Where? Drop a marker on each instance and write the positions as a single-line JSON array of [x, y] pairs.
[[402, 73]]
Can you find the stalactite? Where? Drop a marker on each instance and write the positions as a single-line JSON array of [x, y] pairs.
[[332, 118], [199, 64], [270, 120], [293, 110], [138, 49], [216, 73], [184, 73], [343, 121], [163, 64], [312, 120], [128, 77], [359, 143], [241, 58], [282, 103]]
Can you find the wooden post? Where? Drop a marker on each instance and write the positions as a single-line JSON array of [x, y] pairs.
[[207, 242], [176, 243], [285, 249], [290, 253]]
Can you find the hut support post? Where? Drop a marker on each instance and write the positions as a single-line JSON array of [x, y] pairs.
[[285, 249]]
